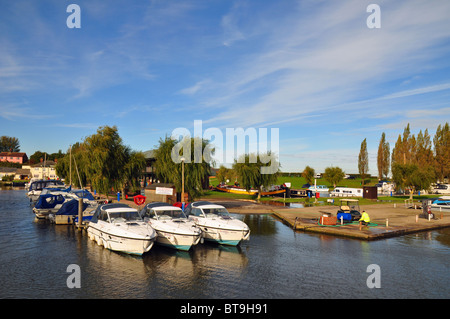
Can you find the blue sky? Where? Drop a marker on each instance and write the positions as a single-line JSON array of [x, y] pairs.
[[312, 69]]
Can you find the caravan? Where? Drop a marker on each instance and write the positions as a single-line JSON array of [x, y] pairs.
[[346, 192]]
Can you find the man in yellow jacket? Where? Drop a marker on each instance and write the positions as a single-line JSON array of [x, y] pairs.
[[365, 219]]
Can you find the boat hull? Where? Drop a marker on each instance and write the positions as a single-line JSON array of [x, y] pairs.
[[177, 241], [224, 236], [128, 245]]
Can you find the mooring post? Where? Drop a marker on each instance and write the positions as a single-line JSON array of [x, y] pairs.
[[80, 213], [387, 222]]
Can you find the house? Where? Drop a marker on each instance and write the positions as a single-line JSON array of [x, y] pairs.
[[14, 173], [13, 157], [7, 171], [43, 170]]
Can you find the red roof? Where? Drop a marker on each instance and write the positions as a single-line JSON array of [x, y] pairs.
[[13, 154]]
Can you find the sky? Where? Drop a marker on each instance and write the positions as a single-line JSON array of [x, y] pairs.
[[313, 70]]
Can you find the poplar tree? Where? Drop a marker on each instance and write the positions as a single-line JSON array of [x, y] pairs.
[[383, 157], [441, 143], [363, 161]]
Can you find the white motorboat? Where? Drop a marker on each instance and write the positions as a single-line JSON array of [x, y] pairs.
[[174, 229], [216, 223], [442, 204], [35, 188], [120, 228]]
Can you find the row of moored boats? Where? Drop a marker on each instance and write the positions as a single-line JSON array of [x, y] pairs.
[[119, 227]]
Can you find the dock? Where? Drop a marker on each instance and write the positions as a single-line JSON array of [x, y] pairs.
[[387, 221]]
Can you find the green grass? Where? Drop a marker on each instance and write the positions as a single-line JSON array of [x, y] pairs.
[[298, 182]]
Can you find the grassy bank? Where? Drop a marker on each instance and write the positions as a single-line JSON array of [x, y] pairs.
[[297, 183]]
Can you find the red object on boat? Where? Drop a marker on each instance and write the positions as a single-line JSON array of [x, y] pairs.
[[139, 199]]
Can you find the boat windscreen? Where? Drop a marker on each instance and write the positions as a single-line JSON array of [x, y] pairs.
[[222, 212], [124, 216]]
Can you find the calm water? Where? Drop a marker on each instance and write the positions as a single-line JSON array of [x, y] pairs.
[[276, 263]]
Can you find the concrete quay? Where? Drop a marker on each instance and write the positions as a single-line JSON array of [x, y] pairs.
[[390, 221]]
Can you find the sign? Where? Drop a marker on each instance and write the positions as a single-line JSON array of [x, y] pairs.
[[164, 191]]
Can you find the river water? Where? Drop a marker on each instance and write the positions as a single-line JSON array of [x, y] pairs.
[[277, 263]]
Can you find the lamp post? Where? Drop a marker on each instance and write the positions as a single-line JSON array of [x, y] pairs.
[[182, 183]]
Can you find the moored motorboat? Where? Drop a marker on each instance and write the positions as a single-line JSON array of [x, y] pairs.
[[442, 203], [35, 188], [68, 212], [120, 228], [174, 229], [49, 203], [216, 223]]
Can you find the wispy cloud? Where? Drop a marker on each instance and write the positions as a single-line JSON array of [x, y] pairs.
[[327, 58]]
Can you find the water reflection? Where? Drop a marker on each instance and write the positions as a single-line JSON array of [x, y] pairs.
[[277, 262]]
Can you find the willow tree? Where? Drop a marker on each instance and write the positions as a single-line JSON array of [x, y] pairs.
[[308, 174], [412, 177], [73, 170], [249, 169], [171, 154], [334, 175], [109, 164]]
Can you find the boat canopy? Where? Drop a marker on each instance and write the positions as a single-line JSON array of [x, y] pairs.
[[83, 193], [49, 201], [70, 207]]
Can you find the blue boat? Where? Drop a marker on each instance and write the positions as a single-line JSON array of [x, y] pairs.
[[47, 204]]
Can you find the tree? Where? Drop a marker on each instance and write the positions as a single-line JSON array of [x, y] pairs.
[[363, 161], [441, 143], [383, 157], [103, 161], [9, 144], [38, 155], [410, 176], [249, 172], [334, 175], [194, 173], [223, 174], [75, 175], [308, 174]]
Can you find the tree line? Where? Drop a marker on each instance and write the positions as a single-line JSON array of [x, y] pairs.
[[415, 161], [245, 171]]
